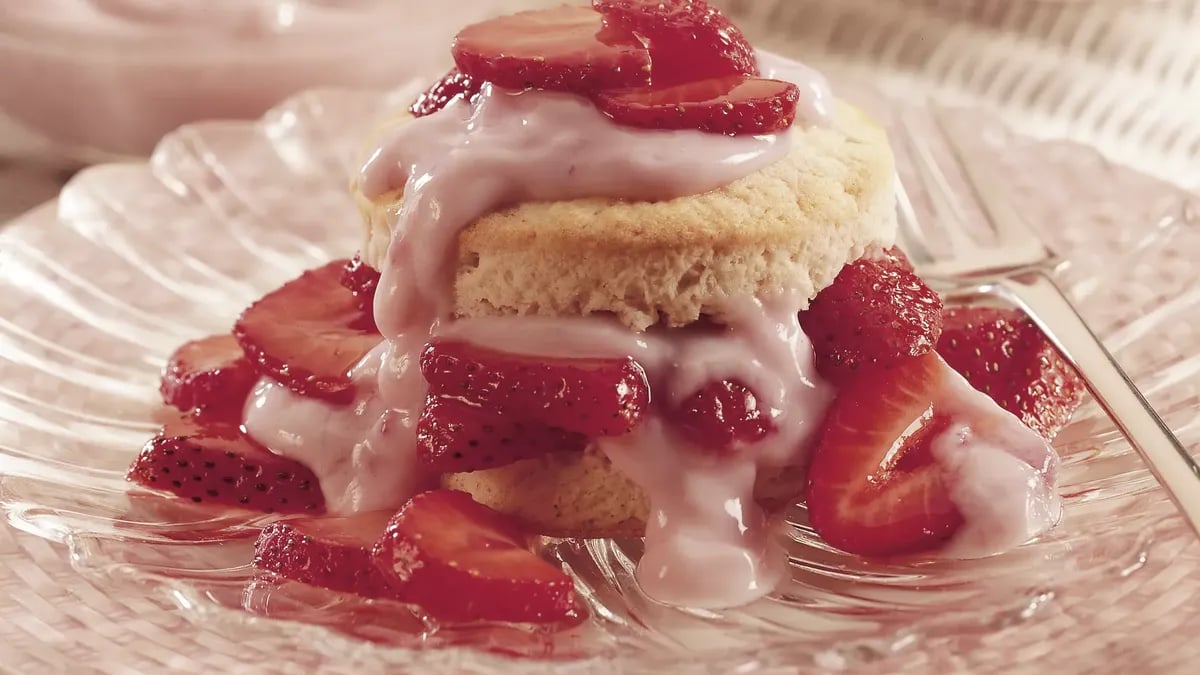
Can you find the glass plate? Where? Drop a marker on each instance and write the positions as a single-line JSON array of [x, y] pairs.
[[133, 259]]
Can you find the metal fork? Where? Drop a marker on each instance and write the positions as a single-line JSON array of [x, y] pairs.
[[1018, 267]]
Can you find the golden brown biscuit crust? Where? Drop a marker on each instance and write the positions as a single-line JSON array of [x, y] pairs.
[[793, 224], [581, 495]]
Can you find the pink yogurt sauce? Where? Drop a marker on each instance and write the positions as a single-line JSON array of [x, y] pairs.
[[1002, 474], [708, 544]]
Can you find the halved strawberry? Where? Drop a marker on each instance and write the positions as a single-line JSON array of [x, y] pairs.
[[361, 279], [207, 460], [560, 49], [689, 40], [873, 488], [453, 437], [733, 105], [888, 459], [462, 561], [309, 333], [333, 553], [1002, 353], [593, 397], [876, 312], [722, 416], [208, 375], [455, 84]]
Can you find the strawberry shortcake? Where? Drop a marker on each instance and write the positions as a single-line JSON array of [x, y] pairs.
[[621, 275]]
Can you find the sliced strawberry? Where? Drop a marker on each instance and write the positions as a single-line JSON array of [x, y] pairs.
[[207, 460], [560, 49], [361, 279], [734, 105], [462, 561], [454, 85], [689, 40], [723, 416], [209, 375], [309, 333], [593, 397], [454, 437], [1003, 354], [333, 553], [873, 488], [876, 312]]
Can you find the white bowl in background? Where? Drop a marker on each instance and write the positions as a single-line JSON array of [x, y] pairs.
[[90, 79]]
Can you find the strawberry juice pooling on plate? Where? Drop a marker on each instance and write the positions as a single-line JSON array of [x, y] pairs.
[[708, 543]]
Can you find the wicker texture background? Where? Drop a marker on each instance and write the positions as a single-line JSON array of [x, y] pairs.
[[51, 616], [1122, 76]]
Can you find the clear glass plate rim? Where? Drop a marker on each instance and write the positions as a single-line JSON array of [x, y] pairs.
[[233, 619]]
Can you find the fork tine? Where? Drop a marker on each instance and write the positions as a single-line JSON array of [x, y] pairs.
[[912, 234], [937, 189], [1009, 225]]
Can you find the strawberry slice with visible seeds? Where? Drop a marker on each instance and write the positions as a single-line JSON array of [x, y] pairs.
[[593, 397], [207, 460], [209, 375], [333, 553], [309, 333], [560, 49], [462, 561], [454, 85], [877, 311], [455, 437], [873, 487], [689, 40], [361, 279], [723, 416], [734, 106], [1006, 356], [877, 486]]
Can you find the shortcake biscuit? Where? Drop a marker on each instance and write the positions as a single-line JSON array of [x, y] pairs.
[[793, 225]]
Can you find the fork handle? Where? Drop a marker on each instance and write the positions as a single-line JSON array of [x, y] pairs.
[[1171, 463]]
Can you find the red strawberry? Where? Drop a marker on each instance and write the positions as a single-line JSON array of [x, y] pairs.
[[361, 279], [462, 561], [1003, 354], [732, 105], [212, 461], [309, 333], [208, 375], [862, 498], [333, 553], [689, 40], [454, 437], [560, 49], [455, 84], [722, 416], [593, 397], [876, 312], [874, 487]]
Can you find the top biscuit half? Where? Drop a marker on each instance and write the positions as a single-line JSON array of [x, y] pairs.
[[790, 226]]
